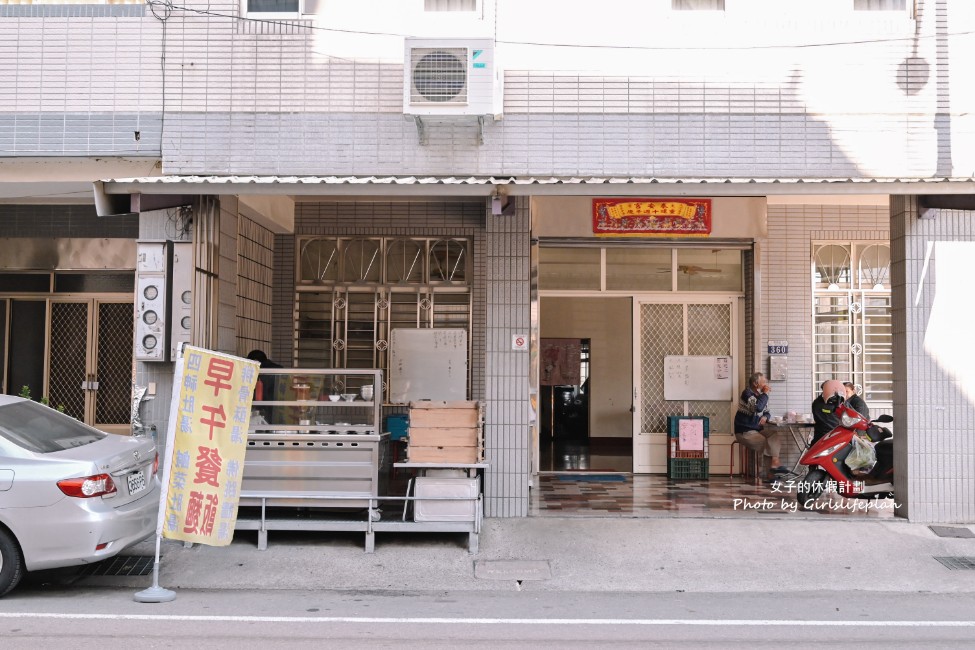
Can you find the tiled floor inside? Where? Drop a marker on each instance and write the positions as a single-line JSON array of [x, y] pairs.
[[626, 495], [590, 478]]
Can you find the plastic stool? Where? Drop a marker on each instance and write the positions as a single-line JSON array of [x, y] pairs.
[[742, 458]]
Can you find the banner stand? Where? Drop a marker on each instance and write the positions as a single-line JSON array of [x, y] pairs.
[[211, 428], [155, 593]]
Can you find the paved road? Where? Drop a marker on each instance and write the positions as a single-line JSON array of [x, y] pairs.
[[41, 616]]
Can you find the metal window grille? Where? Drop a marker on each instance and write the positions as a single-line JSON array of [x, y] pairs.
[[852, 327], [450, 5], [352, 292], [697, 5]]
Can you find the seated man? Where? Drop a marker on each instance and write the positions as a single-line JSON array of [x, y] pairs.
[[750, 423], [834, 393]]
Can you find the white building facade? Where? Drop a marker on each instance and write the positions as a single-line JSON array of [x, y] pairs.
[[310, 150]]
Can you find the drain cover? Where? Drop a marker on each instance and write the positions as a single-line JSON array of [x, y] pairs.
[[512, 570], [951, 531], [122, 565], [957, 562]]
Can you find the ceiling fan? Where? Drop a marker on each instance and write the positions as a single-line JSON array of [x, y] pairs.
[[690, 269], [696, 270]]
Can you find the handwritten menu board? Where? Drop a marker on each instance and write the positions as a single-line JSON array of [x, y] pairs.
[[427, 364], [697, 378]]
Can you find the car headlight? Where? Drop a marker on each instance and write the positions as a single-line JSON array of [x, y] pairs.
[[848, 420]]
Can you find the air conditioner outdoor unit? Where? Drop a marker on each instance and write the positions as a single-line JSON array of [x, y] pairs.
[[451, 76]]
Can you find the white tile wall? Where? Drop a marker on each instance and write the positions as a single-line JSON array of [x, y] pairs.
[[934, 450], [506, 433], [786, 285]]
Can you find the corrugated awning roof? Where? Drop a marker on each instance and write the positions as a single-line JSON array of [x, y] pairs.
[[529, 186]]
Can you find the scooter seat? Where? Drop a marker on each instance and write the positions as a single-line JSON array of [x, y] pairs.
[[879, 434]]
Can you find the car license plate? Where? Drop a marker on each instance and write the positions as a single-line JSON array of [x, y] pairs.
[[137, 482]]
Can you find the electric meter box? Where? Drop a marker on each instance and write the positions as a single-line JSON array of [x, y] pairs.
[[181, 308], [152, 299]]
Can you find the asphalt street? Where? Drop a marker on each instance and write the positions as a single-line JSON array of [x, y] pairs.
[[535, 582]]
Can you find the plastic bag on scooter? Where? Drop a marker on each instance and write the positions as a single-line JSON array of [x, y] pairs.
[[863, 457]]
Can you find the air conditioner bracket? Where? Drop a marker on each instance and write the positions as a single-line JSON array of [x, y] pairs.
[[420, 130]]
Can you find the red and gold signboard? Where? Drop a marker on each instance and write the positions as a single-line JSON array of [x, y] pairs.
[[651, 217]]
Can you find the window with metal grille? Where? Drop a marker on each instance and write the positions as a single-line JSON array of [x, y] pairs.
[[852, 335], [450, 5], [697, 5], [879, 5], [281, 8], [351, 292]]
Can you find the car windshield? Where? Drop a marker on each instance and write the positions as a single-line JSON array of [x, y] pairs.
[[43, 430]]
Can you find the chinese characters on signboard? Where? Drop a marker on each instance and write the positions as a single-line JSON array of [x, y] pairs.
[[690, 434], [207, 437], [651, 217]]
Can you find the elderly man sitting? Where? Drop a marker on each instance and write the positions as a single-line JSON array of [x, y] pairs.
[[750, 423]]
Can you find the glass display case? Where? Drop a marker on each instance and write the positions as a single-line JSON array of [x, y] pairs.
[[302, 400], [315, 439]]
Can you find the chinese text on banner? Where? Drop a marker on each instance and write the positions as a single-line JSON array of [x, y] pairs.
[[208, 439]]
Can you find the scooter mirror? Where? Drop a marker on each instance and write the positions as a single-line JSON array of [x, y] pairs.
[[885, 418]]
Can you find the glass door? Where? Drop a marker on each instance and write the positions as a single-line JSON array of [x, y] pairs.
[[688, 327]]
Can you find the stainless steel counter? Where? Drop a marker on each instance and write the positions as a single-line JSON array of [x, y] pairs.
[[311, 464]]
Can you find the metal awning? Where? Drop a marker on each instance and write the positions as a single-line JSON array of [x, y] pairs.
[[410, 186]]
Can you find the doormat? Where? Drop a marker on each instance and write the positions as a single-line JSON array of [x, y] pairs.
[[592, 478]]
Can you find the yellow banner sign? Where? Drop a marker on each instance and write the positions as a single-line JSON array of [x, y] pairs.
[[207, 440]]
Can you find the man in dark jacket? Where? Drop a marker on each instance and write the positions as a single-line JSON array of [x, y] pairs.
[[750, 423], [823, 406]]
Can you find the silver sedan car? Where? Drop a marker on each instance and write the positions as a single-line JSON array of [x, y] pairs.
[[69, 494]]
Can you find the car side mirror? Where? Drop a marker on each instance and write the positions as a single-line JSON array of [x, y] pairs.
[[885, 418]]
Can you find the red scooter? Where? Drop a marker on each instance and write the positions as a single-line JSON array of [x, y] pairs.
[[826, 457]]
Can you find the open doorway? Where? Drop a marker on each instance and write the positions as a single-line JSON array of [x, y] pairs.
[[585, 377]]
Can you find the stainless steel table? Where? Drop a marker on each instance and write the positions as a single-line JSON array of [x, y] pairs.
[[801, 433]]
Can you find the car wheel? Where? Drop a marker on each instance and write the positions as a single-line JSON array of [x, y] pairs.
[[11, 562], [810, 487]]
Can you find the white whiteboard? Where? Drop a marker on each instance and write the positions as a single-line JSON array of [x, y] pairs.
[[697, 378], [427, 364]]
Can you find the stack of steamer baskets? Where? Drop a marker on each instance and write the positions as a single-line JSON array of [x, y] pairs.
[[445, 432]]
